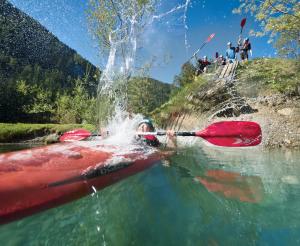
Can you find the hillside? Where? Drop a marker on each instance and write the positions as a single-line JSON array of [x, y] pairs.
[[42, 80], [31, 55], [264, 90], [146, 94]]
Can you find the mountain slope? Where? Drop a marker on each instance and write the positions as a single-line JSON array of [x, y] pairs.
[[30, 55]]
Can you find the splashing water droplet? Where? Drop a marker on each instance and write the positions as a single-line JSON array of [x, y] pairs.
[[94, 189], [124, 40]]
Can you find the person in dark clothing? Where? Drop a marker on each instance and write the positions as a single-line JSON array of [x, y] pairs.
[[221, 61], [245, 48], [202, 65], [146, 125]]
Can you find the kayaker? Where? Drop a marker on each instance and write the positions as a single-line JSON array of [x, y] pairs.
[[230, 53], [246, 46], [146, 125]]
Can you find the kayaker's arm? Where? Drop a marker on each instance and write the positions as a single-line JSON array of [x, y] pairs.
[[171, 139]]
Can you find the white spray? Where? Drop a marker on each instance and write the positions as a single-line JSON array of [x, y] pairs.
[[124, 42]]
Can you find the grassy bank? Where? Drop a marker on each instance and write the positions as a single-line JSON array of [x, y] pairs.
[[259, 77], [262, 77], [178, 102], [21, 131]]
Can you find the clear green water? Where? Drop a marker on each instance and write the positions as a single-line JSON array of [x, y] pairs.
[[206, 196]]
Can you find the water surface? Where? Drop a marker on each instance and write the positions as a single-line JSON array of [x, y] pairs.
[[205, 196]]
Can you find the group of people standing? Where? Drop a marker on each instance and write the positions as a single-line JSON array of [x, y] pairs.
[[243, 47]]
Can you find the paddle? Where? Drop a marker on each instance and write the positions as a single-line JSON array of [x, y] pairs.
[[243, 22], [210, 37], [223, 133]]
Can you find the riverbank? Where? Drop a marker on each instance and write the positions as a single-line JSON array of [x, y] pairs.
[[43, 133], [280, 123], [264, 90]]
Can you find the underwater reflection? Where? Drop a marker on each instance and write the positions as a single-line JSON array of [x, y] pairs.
[[233, 185]]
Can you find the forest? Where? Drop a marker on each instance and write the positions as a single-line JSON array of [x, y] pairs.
[[44, 81]]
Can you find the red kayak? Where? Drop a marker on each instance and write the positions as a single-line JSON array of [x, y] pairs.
[[37, 179]]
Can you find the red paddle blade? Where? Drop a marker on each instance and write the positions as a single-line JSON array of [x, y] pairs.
[[232, 133], [211, 36], [243, 22], [75, 135]]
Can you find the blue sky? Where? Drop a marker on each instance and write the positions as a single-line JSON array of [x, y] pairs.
[[166, 39]]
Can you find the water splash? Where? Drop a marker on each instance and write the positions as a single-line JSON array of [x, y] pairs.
[[186, 26], [124, 41], [122, 128]]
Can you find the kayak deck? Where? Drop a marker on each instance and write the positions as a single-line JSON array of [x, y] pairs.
[[40, 178]]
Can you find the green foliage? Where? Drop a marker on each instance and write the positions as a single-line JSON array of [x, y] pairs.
[[146, 94], [77, 107], [178, 102], [42, 101], [20, 131], [42, 80], [268, 76], [186, 76], [280, 19], [109, 18], [33, 99], [35, 67]]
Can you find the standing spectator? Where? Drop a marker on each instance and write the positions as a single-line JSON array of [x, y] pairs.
[[221, 60], [202, 65], [246, 46], [230, 53]]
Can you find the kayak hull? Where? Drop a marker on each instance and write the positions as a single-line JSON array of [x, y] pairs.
[[45, 177]]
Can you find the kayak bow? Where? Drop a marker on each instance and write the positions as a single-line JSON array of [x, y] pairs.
[[37, 179]]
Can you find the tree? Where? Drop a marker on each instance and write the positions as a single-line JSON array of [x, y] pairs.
[[280, 19], [186, 75], [77, 107], [111, 19], [146, 94], [118, 26]]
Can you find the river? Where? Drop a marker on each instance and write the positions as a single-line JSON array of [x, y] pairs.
[[203, 196]]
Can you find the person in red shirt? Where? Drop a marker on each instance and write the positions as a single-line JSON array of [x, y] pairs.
[[202, 65]]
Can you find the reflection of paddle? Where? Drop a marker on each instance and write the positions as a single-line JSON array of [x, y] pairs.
[[224, 133], [233, 185]]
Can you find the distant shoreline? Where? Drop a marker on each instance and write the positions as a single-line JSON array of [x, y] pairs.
[[20, 133]]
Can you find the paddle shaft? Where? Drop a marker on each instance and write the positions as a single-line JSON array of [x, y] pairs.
[[207, 41], [163, 133], [241, 30], [223, 133], [183, 134]]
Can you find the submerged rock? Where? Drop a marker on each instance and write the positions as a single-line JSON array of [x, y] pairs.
[[285, 111]]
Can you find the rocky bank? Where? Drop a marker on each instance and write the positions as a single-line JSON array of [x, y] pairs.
[[249, 97]]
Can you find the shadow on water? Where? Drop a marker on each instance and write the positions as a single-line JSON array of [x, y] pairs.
[[206, 196]]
